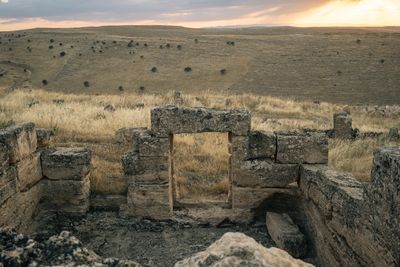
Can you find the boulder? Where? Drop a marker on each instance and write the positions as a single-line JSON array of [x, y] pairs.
[[29, 171], [237, 249], [44, 137], [286, 235]]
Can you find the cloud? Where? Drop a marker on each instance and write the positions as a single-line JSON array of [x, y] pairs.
[[4, 1]]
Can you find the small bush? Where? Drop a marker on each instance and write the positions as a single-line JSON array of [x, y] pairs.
[[120, 88], [223, 71], [358, 41], [161, 47], [179, 47], [168, 46], [196, 41], [51, 47], [188, 69], [62, 54], [45, 82], [141, 88], [153, 69], [61, 44], [86, 84], [382, 61], [145, 45], [51, 40]]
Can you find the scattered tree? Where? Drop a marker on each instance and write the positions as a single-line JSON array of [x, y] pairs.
[[223, 71], [86, 84], [188, 69], [51, 40], [45, 82], [142, 88], [153, 69], [62, 54], [51, 47], [120, 88]]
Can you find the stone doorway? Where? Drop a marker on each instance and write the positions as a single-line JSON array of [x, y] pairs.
[[200, 169]]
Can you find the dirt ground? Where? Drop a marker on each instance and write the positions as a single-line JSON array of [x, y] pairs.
[[151, 243]]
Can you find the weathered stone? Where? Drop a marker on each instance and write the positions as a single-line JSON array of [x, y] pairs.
[[251, 198], [302, 148], [7, 174], [66, 196], [29, 171], [173, 120], [286, 235], [20, 140], [262, 145], [44, 137], [8, 190], [148, 145], [383, 199], [264, 173], [66, 163], [342, 125], [4, 156], [146, 168], [393, 134], [17, 211], [127, 135], [238, 148], [149, 201], [237, 249]]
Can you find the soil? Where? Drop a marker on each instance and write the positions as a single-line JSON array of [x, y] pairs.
[[151, 243]]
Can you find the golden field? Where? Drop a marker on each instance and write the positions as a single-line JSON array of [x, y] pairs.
[[81, 120]]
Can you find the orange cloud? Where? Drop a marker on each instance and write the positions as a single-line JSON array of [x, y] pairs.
[[352, 13]]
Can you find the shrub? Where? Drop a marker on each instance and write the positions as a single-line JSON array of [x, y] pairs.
[[141, 57], [51, 40], [51, 47], [179, 47], [196, 41], [358, 41], [188, 69], [62, 54], [145, 45], [130, 44], [168, 45], [45, 82], [114, 42], [86, 84], [61, 44], [142, 88], [153, 69], [382, 61], [223, 71], [120, 88], [161, 47], [72, 46], [10, 49]]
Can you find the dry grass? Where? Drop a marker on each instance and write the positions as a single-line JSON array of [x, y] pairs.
[[82, 120]]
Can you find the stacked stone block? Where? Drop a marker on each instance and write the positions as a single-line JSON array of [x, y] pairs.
[[351, 223], [147, 169], [66, 186], [20, 173], [266, 163], [342, 125]]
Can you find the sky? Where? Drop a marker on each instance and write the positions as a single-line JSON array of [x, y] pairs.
[[24, 14]]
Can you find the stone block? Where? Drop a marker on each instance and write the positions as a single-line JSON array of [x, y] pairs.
[[302, 148], [7, 174], [148, 145], [133, 164], [66, 163], [264, 173], [44, 137], [342, 125], [149, 201], [168, 120], [66, 196], [262, 145], [127, 135], [4, 155], [251, 198], [286, 234], [238, 148], [7, 190], [29, 171], [20, 140]]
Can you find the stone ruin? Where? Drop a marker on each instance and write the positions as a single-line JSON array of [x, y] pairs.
[[282, 177]]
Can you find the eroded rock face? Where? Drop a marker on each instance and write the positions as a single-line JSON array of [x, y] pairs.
[[60, 250], [237, 249]]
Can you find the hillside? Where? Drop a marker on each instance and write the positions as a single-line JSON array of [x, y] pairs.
[[329, 64]]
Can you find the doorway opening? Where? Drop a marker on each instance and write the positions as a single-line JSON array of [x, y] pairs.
[[200, 165]]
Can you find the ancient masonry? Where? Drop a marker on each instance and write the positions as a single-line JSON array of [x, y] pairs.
[[311, 211]]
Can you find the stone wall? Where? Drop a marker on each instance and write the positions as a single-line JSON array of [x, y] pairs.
[[262, 164], [27, 174], [354, 224]]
